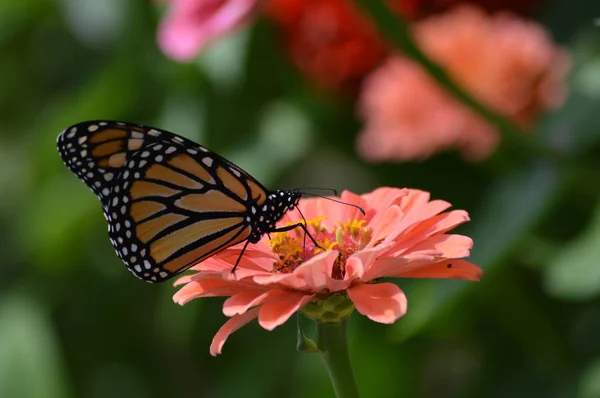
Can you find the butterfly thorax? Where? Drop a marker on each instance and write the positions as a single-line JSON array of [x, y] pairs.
[[264, 218]]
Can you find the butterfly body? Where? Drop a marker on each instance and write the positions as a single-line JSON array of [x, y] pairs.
[[169, 202]]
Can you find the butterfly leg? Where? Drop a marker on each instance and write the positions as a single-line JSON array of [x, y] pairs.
[[240, 257], [294, 226]]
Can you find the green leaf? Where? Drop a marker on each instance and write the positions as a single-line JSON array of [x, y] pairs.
[[574, 274]]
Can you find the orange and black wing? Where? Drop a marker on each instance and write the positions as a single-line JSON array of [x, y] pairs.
[[169, 202]]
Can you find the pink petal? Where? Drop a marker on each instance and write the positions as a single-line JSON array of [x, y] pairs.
[[359, 263], [256, 257], [384, 197], [447, 269], [192, 24], [384, 223], [211, 285], [385, 266], [433, 226], [212, 264], [240, 303], [382, 302], [448, 246], [418, 215], [184, 279], [229, 327], [310, 275], [279, 306], [415, 200], [316, 272]]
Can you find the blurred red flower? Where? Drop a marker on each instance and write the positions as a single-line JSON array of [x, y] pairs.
[[510, 64], [329, 40], [336, 46]]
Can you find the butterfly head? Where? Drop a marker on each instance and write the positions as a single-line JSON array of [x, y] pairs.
[[266, 217]]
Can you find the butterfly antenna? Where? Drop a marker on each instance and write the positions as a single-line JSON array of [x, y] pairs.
[[332, 190], [335, 200]]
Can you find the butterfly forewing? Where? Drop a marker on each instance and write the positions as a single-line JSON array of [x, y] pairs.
[[169, 202]]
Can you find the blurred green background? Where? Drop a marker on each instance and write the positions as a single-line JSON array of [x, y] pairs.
[[75, 323]]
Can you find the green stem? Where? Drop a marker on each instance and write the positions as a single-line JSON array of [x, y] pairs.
[[396, 31], [333, 343]]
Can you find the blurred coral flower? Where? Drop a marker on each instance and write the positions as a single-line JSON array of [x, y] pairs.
[[509, 64], [192, 24], [403, 234]]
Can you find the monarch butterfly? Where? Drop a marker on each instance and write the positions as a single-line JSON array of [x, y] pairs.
[[169, 202]]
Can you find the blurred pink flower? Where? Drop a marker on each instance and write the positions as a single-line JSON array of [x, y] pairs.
[[192, 24], [403, 234], [509, 64]]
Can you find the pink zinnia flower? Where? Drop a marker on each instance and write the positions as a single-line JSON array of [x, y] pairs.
[[403, 234], [192, 24], [509, 64]]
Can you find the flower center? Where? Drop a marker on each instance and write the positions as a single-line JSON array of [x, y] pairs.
[[292, 248]]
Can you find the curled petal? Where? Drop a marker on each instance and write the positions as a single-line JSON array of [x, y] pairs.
[[452, 269], [313, 274], [360, 262], [384, 223], [448, 246], [385, 266], [257, 257], [413, 217], [415, 199], [382, 302], [240, 303], [206, 286], [435, 225], [279, 306], [317, 271], [229, 327], [384, 197]]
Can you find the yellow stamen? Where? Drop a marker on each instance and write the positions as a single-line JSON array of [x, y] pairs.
[[292, 248]]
